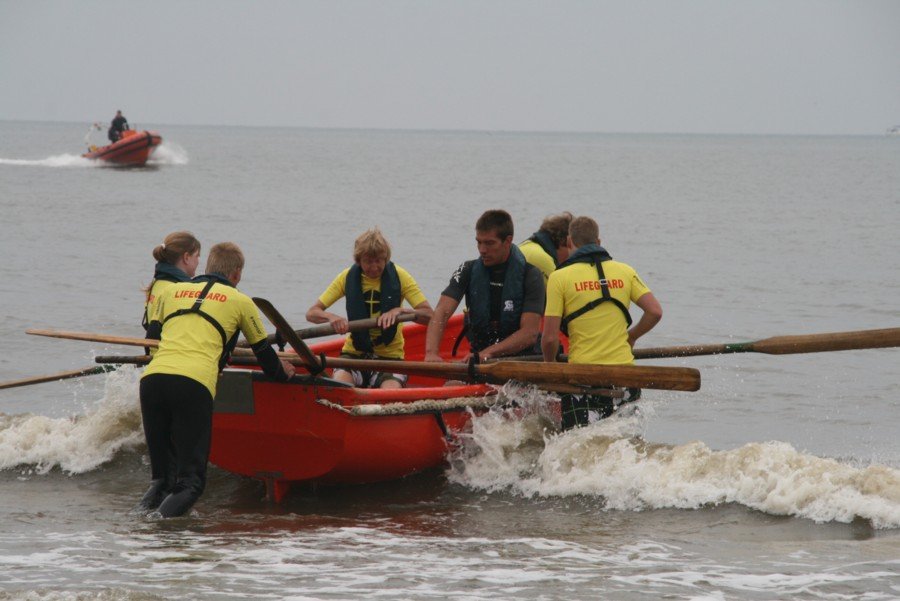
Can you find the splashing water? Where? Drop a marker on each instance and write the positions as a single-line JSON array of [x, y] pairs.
[[524, 454], [81, 443], [61, 160], [168, 153]]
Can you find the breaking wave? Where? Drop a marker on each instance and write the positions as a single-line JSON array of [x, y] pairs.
[[520, 451], [609, 459], [79, 443]]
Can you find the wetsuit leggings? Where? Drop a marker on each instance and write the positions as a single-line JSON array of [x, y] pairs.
[[177, 414], [583, 409]]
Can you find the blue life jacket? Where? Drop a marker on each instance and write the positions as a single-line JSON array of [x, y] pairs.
[[360, 308], [595, 255], [480, 331]]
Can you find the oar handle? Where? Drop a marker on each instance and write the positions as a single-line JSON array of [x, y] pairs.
[[66, 375], [326, 329]]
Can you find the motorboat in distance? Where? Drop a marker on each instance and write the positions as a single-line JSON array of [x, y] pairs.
[[134, 148]]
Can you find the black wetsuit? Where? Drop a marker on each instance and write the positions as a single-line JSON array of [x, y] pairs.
[[118, 125]]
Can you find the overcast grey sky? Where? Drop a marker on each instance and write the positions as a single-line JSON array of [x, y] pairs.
[[702, 66]]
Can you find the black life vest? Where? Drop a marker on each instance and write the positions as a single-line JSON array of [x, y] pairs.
[[543, 240], [595, 255], [227, 344], [481, 331], [358, 307]]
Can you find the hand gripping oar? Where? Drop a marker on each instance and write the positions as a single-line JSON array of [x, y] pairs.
[[65, 375], [310, 361], [784, 345], [326, 329]]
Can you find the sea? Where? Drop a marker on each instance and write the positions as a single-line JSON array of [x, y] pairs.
[[778, 479]]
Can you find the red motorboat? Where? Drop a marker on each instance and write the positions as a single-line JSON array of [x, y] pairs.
[[305, 430], [133, 148]]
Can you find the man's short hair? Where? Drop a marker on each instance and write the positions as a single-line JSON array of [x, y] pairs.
[[496, 220], [224, 258], [584, 230], [372, 243], [557, 227]]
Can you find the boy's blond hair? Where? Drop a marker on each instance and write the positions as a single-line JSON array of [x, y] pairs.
[[372, 243]]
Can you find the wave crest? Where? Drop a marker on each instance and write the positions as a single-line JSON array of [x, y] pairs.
[[609, 459], [80, 443]]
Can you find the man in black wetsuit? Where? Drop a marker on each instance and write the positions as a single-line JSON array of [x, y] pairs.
[[118, 125], [504, 295]]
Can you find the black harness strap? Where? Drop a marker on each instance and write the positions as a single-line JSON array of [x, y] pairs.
[[606, 297], [227, 345]]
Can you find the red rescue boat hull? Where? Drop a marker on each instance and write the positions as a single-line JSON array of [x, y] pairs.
[[133, 149], [278, 433]]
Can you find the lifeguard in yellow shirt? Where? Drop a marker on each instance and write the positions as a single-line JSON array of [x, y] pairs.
[[374, 287], [197, 324], [177, 259], [548, 247], [588, 298]]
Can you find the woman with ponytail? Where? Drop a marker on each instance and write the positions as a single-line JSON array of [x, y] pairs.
[[176, 261]]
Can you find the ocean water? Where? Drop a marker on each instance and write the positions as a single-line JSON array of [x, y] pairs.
[[779, 479]]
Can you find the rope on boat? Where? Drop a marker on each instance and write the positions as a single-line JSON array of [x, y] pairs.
[[414, 407]]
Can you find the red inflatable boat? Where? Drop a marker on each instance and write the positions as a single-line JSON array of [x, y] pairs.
[[133, 148]]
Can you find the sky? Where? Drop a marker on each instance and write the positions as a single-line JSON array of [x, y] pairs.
[[642, 66]]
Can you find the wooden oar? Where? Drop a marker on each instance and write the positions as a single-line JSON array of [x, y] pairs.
[[599, 376], [326, 329], [310, 361], [91, 337], [784, 345], [555, 377], [64, 375], [630, 376], [596, 376]]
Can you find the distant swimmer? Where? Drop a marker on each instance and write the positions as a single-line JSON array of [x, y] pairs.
[[588, 299], [117, 126], [373, 287], [547, 247]]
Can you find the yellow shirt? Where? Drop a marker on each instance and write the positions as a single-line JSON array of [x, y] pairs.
[[599, 336], [158, 288], [409, 291], [190, 345], [537, 256]]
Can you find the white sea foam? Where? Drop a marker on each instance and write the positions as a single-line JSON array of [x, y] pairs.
[[609, 459], [169, 153], [81, 443], [60, 160]]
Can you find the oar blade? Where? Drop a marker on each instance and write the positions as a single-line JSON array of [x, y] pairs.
[[311, 362], [835, 341]]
